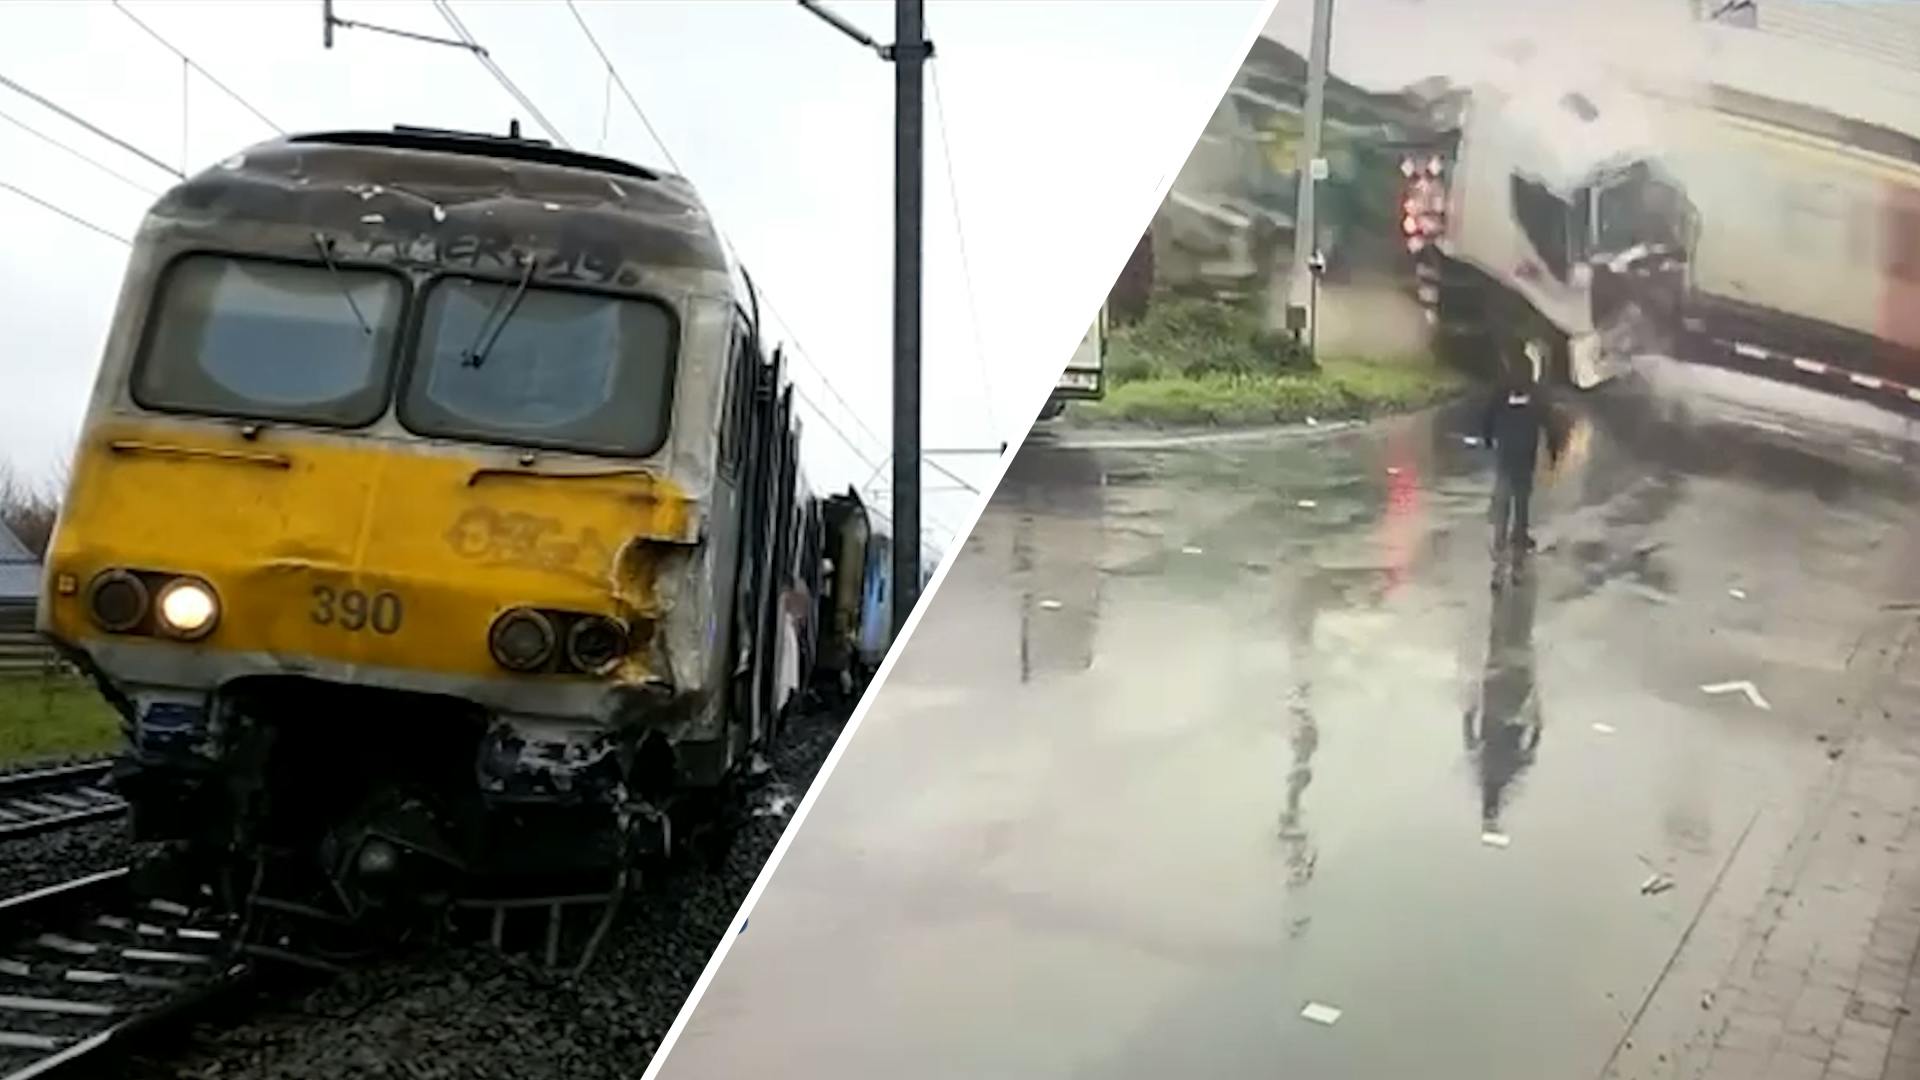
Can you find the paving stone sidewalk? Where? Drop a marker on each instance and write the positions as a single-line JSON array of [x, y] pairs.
[[1804, 969]]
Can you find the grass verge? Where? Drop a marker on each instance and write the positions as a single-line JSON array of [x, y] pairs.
[[1193, 361], [1344, 388], [53, 716]]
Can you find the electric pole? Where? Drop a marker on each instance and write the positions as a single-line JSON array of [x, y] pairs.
[[910, 51], [1301, 291], [908, 54]]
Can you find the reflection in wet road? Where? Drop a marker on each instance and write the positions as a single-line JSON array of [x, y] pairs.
[[1195, 735]]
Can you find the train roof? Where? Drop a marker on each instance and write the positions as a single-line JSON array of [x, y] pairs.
[[407, 184]]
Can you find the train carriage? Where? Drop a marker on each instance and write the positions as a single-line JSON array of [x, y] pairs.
[[434, 516]]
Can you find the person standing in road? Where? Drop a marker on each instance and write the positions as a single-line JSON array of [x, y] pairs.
[[1518, 416]]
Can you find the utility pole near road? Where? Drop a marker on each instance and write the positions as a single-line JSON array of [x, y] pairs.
[[908, 54], [1301, 298]]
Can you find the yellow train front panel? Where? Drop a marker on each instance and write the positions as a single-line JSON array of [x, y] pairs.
[[361, 558]]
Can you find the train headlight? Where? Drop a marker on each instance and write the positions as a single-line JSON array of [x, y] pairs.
[[596, 643], [522, 640], [187, 608], [118, 601]]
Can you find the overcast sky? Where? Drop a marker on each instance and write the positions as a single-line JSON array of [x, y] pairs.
[[1063, 119]]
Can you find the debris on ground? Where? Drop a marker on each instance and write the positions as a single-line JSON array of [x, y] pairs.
[[1496, 839], [1306, 504], [445, 1013], [1834, 752], [1189, 550], [1321, 1014], [1738, 686], [1737, 594], [1051, 605], [1298, 926], [1706, 1000], [1656, 885], [1604, 729]]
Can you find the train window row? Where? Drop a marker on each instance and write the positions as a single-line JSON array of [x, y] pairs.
[[740, 372], [493, 361]]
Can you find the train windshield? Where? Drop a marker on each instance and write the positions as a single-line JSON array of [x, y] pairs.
[[542, 367], [281, 341]]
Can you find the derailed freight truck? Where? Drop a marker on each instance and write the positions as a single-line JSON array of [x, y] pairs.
[[1805, 265], [1543, 221]]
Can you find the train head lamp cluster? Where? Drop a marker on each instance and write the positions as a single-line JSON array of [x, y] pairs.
[[187, 608], [595, 644], [118, 601], [131, 602], [524, 639]]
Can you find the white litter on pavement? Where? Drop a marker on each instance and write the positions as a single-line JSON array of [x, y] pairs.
[[1470, 440], [1604, 729], [1051, 605], [1495, 839], [1189, 550], [1306, 504], [1321, 1014], [1656, 885], [1393, 470], [1739, 686], [1737, 594]]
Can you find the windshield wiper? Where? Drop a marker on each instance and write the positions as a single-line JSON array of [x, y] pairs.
[[325, 247], [476, 353]]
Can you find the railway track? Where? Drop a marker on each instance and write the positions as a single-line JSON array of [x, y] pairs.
[[84, 968], [43, 800]]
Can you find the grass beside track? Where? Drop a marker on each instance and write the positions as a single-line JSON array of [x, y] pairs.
[[1192, 361], [53, 716]]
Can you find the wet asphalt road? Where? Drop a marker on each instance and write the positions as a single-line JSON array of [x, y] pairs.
[[1198, 732]]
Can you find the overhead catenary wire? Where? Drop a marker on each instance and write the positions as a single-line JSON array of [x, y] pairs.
[[614, 74], [798, 350], [73, 152], [196, 66], [499, 74], [95, 129], [960, 237], [65, 213]]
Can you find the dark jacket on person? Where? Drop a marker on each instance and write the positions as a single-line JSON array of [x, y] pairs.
[[1518, 414]]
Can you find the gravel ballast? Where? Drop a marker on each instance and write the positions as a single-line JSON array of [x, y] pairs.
[[472, 1013], [34, 862]]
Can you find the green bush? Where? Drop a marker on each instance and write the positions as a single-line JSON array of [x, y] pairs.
[[1188, 337], [1344, 388]]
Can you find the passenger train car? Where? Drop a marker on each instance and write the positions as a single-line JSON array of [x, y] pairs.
[[438, 520]]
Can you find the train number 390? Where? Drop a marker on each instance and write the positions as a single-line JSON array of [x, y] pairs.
[[351, 609]]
